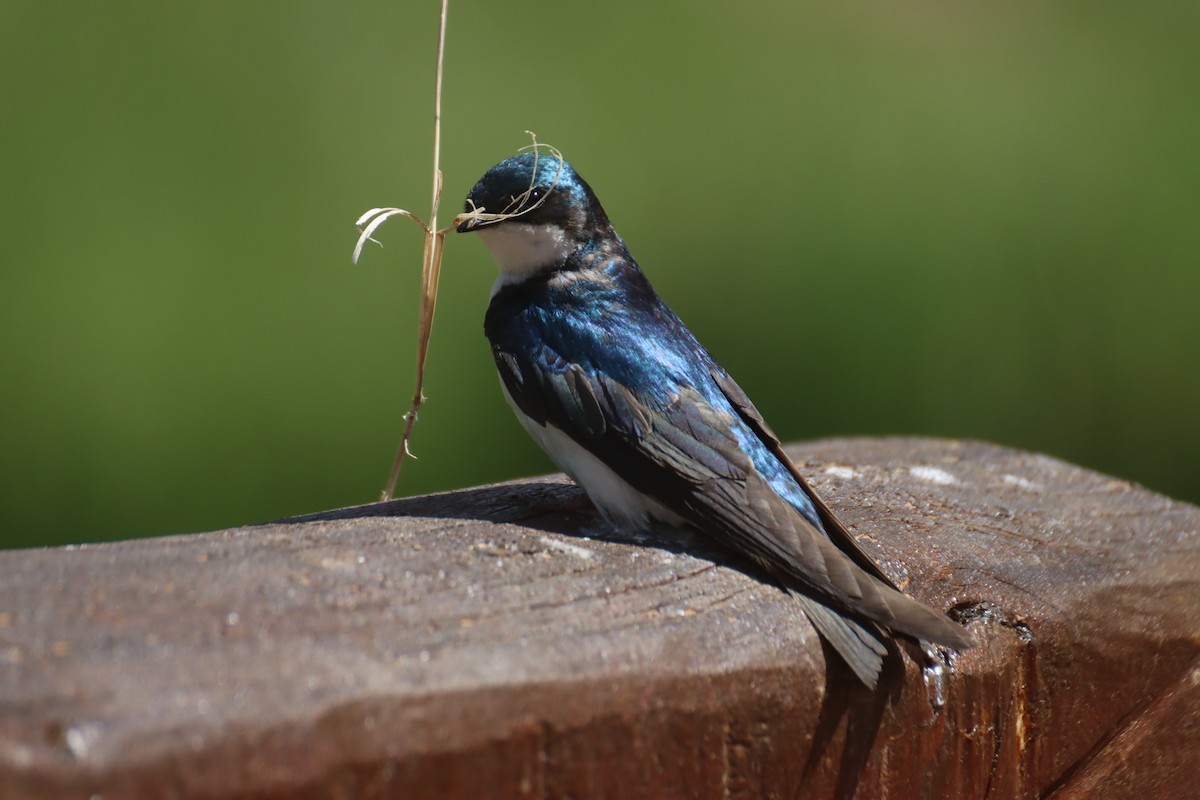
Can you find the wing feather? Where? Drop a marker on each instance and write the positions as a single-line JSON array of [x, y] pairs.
[[685, 453]]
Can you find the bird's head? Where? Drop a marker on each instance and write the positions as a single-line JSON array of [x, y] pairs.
[[532, 211]]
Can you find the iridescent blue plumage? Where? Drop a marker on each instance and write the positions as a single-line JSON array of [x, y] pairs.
[[625, 399], [616, 326]]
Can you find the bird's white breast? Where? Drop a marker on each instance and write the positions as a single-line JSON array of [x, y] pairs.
[[611, 494]]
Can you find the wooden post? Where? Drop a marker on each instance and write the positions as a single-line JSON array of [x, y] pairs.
[[502, 642]]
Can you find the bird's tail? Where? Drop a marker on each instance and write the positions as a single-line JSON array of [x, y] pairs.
[[859, 646], [910, 616]]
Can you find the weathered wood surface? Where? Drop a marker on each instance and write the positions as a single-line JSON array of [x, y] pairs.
[[500, 642]]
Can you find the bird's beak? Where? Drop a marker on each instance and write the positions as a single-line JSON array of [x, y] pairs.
[[471, 224]]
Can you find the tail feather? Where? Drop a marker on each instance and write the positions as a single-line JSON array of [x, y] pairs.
[[859, 646], [921, 622]]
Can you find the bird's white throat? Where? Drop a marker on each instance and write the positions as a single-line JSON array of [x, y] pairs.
[[520, 249]]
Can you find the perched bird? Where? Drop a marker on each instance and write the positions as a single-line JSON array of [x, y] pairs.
[[625, 400]]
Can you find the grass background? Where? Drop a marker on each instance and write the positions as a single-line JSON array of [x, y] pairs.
[[967, 220]]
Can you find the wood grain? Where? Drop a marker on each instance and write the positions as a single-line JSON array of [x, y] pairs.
[[503, 642]]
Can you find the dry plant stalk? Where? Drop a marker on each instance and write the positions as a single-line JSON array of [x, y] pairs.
[[431, 259]]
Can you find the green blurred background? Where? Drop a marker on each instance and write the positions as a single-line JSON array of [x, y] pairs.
[[937, 218]]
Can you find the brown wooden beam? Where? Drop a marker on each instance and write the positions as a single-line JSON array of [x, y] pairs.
[[503, 642]]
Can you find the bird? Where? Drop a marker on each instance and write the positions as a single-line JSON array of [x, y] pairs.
[[624, 399]]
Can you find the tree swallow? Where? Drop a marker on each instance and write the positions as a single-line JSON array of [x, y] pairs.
[[626, 401]]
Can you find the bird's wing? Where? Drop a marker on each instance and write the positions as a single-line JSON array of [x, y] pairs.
[[833, 526], [685, 452]]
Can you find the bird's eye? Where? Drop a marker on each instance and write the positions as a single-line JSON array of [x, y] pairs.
[[535, 194]]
